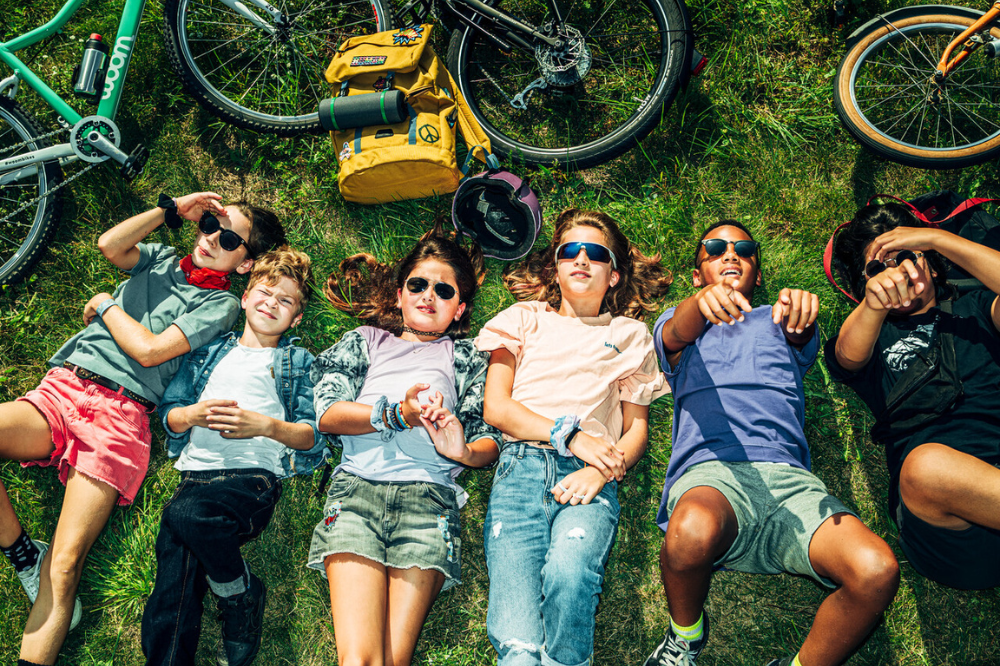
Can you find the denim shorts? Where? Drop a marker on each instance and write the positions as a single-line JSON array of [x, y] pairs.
[[400, 525], [778, 508]]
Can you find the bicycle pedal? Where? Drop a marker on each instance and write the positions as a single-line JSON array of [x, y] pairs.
[[135, 163], [698, 62]]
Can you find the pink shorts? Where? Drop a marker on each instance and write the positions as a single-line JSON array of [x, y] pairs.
[[96, 431]]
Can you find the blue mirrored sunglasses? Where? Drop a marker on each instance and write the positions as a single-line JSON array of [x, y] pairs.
[[595, 252]]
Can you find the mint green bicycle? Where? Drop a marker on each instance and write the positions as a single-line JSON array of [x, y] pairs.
[[256, 65]]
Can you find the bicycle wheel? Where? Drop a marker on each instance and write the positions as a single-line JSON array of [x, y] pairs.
[[887, 98], [24, 235], [587, 103], [260, 71]]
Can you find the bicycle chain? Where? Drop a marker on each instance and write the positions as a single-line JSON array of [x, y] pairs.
[[52, 190]]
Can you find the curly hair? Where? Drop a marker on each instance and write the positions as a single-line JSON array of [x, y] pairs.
[[367, 288], [642, 280], [284, 263], [869, 223]]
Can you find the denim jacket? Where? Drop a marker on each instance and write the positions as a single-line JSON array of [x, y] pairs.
[[291, 379]]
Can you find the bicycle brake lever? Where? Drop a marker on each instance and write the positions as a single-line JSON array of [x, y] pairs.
[[520, 100]]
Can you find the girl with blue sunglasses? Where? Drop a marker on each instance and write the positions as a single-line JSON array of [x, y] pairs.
[[572, 425]]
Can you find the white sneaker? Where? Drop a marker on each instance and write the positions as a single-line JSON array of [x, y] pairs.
[[30, 580]]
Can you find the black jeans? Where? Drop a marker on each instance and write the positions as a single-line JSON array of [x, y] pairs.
[[204, 524]]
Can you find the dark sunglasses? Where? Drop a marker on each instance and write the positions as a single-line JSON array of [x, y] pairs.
[[716, 247], [595, 252], [228, 239], [418, 285], [874, 267]]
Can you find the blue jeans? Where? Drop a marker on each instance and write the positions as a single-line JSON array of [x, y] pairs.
[[210, 516], [546, 560]]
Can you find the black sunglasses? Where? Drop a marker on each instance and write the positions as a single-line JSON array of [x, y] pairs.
[[716, 247], [228, 239], [874, 267], [595, 252], [418, 285]]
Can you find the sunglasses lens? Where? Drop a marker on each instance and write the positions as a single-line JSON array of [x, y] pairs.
[[595, 252], [209, 224], [444, 291], [417, 285], [904, 255], [715, 246], [745, 248], [230, 240], [873, 268]]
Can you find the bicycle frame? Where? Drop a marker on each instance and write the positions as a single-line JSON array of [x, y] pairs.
[[948, 64], [120, 56]]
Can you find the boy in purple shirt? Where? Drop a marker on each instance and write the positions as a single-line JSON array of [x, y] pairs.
[[738, 491]]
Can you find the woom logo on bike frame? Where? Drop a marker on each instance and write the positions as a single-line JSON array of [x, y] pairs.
[[119, 58]]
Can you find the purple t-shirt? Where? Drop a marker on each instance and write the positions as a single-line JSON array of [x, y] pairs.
[[738, 396]]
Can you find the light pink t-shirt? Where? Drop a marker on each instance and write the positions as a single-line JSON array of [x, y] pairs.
[[585, 366]]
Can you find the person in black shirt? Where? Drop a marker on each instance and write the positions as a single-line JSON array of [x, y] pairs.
[[928, 366]]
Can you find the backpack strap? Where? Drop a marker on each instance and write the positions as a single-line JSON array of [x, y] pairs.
[[472, 133], [968, 204]]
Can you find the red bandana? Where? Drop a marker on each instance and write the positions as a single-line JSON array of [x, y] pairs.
[[206, 278]]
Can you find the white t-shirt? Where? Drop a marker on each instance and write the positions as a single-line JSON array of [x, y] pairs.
[[245, 375]]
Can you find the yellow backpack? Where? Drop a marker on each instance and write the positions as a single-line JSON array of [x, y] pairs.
[[413, 158]]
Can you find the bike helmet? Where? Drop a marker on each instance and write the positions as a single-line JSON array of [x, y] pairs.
[[500, 211]]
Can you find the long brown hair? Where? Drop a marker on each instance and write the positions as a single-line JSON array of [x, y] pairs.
[[642, 281], [367, 288]]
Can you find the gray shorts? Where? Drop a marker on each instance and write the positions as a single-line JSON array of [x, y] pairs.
[[778, 508], [400, 525]]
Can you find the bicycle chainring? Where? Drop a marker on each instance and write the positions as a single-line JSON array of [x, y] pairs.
[[82, 147], [566, 66]]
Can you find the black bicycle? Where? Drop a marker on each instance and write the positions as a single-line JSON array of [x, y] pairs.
[[572, 83]]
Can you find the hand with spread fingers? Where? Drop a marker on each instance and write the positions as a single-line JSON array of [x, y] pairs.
[[721, 303], [579, 487]]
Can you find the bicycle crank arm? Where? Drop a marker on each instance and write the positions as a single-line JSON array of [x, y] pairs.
[[102, 145], [15, 168], [520, 100]]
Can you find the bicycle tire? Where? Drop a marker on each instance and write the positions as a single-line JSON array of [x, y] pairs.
[[269, 79], [638, 55], [24, 237], [886, 98]]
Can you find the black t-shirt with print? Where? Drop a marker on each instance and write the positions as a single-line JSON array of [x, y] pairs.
[[973, 426]]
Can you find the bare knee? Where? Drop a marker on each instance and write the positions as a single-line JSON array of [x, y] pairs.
[[872, 572], [696, 536], [65, 570], [922, 475], [359, 660]]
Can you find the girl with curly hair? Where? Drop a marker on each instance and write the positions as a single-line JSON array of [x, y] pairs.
[[572, 373], [403, 396]]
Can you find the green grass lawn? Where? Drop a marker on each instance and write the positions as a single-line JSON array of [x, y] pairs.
[[755, 138]]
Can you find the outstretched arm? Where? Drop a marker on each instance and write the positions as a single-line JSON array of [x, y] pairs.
[[119, 242], [717, 303]]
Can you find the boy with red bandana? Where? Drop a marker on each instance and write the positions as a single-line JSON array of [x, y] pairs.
[[89, 417]]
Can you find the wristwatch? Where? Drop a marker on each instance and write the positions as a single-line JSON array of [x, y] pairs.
[[170, 216]]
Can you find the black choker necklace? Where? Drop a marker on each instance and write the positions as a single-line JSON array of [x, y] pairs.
[[429, 334]]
